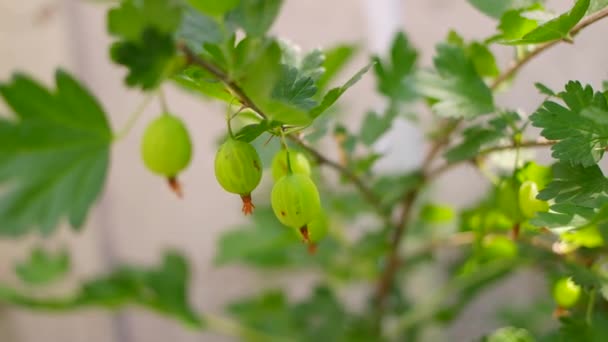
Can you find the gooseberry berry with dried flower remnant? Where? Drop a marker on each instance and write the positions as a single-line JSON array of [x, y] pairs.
[[298, 162], [238, 169], [166, 148], [295, 200]]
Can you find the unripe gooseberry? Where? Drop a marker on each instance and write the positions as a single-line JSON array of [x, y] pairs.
[[295, 200], [528, 203], [166, 148], [238, 169], [566, 293], [298, 162]]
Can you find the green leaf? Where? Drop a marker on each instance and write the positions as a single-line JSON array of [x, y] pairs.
[[543, 89], [335, 60], [214, 7], [311, 64], [581, 127], [197, 29], [295, 88], [145, 30], [483, 59], [575, 184], [476, 137], [259, 68], [132, 18], [514, 24], [200, 81], [53, 158], [163, 289], [269, 312], [496, 8], [558, 28], [576, 328], [43, 267], [374, 126], [148, 59], [334, 94], [255, 16], [456, 87], [395, 75], [264, 243], [251, 132]]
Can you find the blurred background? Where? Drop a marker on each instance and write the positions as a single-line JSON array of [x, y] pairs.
[[137, 217]]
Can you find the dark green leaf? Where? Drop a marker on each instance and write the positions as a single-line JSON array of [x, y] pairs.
[[43, 267], [478, 136], [456, 87], [295, 89], [132, 18], [255, 16], [483, 59], [544, 89], [395, 75], [202, 82], [374, 126], [269, 312], [581, 127], [334, 94], [251, 132], [53, 158], [311, 64], [575, 184], [335, 60], [558, 28], [163, 289], [197, 29], [148, 59], [265, 243]]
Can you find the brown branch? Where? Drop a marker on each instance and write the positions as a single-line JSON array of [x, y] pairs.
[[366, 192]]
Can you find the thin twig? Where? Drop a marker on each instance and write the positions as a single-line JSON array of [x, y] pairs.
[[433, 174]]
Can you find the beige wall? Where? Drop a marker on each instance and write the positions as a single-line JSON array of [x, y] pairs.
[[137, 217]]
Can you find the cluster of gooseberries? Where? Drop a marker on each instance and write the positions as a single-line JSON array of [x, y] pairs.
[[167, 150], [295, 199]]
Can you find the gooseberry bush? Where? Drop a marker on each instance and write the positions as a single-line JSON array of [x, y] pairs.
[[365, 228]]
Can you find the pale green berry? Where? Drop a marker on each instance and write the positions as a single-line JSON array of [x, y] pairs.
[[299, 164]]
